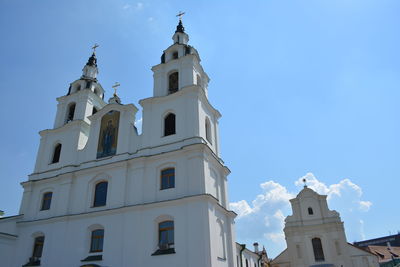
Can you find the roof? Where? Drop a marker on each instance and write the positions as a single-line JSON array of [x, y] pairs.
[[384, 253]]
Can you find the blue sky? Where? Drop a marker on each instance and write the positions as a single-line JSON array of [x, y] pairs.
[[306, 88]]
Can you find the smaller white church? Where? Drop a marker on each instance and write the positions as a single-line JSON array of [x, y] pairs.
[[315, 237]]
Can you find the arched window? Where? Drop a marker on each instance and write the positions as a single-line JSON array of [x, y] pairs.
[[97, 240], [166, 234], [88, 84], [78, 87], [173, 82], [318, 251], [56, 153], [208, 130], [169, 124], [100, 194], [71, 112], [37, 251], [310, 211], [175, 55], [46, 201], [247, 263], [167, 179]]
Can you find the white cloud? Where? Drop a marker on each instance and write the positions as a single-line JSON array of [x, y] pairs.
[[127, 6], [241, 208], [365, 205], [139, 6], [138, 125], [263, 219]]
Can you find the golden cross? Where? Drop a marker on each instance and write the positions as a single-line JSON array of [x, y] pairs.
[[180, 15], [115, 86], [94, 47]]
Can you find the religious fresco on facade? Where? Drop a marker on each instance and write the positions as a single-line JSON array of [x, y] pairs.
[[108, 136]]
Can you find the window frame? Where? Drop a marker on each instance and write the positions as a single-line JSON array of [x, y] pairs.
[[310, 211], [169, 82], [171, 124], [95, 203], [70, 115], [46, 199], [38, 243], [170, 237], [170, 177], [56, 152], [95, 246], [318, 250]]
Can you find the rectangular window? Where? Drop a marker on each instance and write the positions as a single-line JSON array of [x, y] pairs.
[[96, 244], [46, 202], [38, 248], [166, 234], [168, 178], [100, 194]]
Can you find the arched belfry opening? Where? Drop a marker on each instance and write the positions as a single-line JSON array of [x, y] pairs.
[[56, 153], [71, 112], [173, 82], [169, 124]]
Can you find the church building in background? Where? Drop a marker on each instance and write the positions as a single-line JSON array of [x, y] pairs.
[[315, 237]]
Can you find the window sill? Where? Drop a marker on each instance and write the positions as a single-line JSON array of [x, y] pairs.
[[221, 259], [93, 258], [31, 264], [168, 135], [164, 252]]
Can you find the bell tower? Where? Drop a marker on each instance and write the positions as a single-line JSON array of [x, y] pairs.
[[181, 87], [59, 146], [84, 98]]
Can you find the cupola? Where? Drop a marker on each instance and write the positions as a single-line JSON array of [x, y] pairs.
[[180, 37]]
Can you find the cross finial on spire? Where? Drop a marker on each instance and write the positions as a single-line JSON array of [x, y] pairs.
[[180, 15], [115, 86], [94, 47], [305, 182]]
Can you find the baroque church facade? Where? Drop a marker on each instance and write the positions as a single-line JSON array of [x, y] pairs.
[[315, 237], [103, 195]]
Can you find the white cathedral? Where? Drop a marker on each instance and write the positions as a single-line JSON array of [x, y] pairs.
[[103, 195]]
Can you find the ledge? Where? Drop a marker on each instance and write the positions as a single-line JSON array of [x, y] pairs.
[[164, 252], [93, 258]]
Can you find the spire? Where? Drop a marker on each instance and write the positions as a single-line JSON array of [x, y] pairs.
[[92, 61], [90, 70], [180, 37], [180, 27]]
